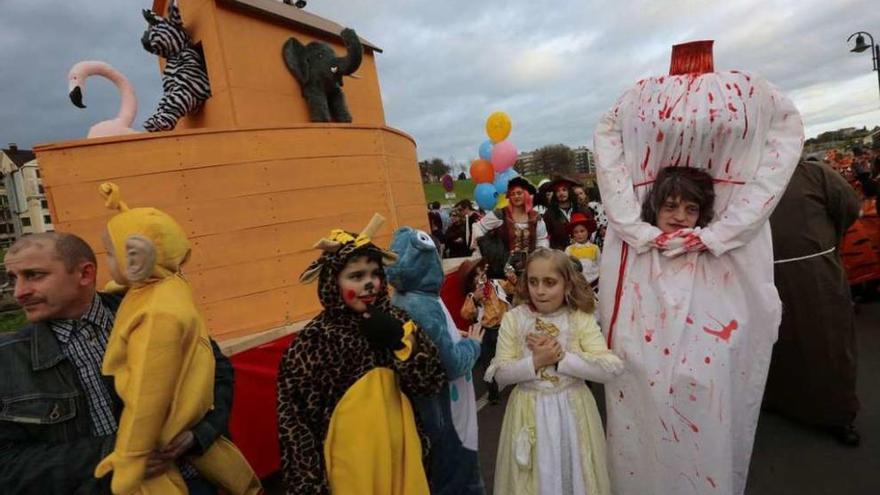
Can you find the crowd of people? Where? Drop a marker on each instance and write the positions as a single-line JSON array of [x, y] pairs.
[[669, 294]]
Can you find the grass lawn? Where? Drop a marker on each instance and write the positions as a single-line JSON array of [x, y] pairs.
[[11, 320], [464, 189]]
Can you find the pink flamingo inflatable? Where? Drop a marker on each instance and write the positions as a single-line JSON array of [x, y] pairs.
[[76, 79]]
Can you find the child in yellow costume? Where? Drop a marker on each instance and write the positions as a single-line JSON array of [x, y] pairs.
[[160, 357]]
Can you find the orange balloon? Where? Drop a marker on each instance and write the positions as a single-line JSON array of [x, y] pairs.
[[482, 171]]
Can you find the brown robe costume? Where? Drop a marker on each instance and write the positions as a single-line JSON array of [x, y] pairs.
[[813, 370]]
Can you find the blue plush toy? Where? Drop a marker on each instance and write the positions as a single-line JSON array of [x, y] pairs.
[[449, 419]]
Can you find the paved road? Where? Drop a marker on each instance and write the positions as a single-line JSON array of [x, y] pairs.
[[788, 458]]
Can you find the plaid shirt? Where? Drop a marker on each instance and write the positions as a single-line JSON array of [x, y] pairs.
[[84, 342]]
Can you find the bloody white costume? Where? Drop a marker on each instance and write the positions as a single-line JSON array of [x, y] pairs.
[[696, 330]]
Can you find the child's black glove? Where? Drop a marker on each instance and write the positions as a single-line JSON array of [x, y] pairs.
[[382, 330]]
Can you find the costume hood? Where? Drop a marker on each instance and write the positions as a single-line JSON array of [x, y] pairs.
[[418, 266], [171, 247], [338, 248]]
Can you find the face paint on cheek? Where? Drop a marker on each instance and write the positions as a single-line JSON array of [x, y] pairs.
[[350, 295]]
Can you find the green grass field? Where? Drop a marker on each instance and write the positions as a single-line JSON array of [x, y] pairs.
[[11, 320], [464, 189]]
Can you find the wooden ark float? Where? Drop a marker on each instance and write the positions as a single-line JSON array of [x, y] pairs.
[[252, 181]]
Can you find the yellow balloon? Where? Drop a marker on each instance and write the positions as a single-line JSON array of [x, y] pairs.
[[502, 201], [498, 126]]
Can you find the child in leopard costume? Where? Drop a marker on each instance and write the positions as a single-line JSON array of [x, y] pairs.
[[345, 420]]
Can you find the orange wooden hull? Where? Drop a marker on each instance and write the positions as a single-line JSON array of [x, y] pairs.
[[253, 202]]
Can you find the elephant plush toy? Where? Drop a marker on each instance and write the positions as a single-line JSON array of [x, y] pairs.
[[319, 71]]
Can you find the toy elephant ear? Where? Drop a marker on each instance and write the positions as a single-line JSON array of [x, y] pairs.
[[174, 14], [294, 54]]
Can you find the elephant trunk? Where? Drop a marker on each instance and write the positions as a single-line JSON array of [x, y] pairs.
[[350, 63]]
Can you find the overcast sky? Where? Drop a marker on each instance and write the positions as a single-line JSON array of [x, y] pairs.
[[555, 65]]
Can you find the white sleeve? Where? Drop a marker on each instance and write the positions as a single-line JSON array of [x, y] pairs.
[[622, 207], [489, 222], [751, 205], [541, 237]]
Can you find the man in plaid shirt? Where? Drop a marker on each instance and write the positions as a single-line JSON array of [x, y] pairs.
[[58, 413]]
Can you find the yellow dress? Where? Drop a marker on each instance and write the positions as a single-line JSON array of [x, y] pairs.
[[160, 357], [551, 439]]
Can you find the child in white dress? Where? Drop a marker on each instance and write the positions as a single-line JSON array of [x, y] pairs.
[[551, 439]]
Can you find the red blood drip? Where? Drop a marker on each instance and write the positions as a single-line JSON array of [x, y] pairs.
[[670, 390], [751, 91], [647, 157], [689, 320], [708, 360], [727, 165], [738, 91], [711, 97], [665, 351], [690, 423], [724, 332], [648, 337], [732, 107], [659, 136], [711, 481], [620, 394]]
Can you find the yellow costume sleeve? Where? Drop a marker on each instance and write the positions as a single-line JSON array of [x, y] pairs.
[[145, 361]]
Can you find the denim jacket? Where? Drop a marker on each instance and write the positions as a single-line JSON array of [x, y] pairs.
[[46, 442]]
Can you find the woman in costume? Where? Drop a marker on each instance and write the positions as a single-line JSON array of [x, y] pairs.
[[697, 329]]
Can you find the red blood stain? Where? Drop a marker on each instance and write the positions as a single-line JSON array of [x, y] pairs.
[[664, 425], [711, 97], [751, 91], [727, 165], [659, 136], [684, 360], [711, 481], [665, 351], [647, 157], [710, 164], [689, 320], [652, 384], [732, 107], [648, 337], [746, 121], [708, 360], [724, 332], [728, 86], [620, 394], [738, 91], [692, 397], [350, 295], [670, 390], [767, 203], [674, 434], [690, 423]]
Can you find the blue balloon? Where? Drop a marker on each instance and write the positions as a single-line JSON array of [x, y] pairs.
[[502, 178], [486, 196], [486, 150]]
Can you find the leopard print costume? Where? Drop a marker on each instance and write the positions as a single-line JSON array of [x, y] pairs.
[[327, 357]]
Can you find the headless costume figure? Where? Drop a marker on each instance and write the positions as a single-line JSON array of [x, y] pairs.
[[160, 358]]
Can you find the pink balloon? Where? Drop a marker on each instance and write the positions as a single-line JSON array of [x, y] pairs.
[[503, 155]]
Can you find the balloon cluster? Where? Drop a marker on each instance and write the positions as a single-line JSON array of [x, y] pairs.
[[494, 169]]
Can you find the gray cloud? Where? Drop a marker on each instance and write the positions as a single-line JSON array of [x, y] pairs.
[[554, 66]]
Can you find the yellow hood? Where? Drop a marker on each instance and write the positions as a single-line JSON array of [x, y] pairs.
[[167, 237]]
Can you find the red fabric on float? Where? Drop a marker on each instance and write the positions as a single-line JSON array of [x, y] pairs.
[[254, 422]]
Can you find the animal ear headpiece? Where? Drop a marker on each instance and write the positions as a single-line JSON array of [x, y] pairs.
[[340, 246]]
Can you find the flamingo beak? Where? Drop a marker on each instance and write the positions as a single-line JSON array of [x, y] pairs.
[[76, 97]]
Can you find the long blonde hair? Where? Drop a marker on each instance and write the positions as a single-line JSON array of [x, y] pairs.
[[578, 294]]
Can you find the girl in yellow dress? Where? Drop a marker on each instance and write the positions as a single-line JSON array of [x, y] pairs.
[[551, 439]]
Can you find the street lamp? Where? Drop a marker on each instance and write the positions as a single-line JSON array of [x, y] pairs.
[[862, 46]]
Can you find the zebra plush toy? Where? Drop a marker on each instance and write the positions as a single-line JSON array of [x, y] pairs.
[[184, 81]]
